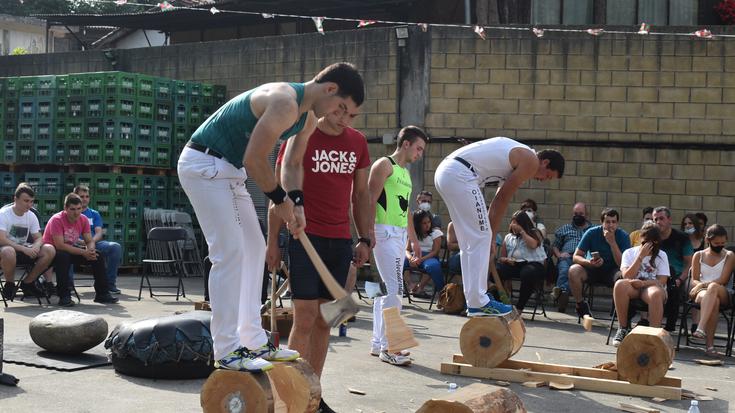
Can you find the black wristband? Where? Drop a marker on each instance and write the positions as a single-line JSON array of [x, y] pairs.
[[277, 195], [297, 196], [364, 240]]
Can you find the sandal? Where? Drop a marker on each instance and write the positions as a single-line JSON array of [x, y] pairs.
[[711, 352], [698, 333]]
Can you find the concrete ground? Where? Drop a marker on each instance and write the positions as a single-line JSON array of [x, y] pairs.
[[388, 388]]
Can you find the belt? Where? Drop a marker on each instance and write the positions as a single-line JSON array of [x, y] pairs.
[[465, 163], [203, 149]]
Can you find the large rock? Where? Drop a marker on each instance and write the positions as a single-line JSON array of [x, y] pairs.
[[64, 331]]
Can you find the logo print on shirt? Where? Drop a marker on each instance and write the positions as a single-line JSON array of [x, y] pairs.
[[403, 203], [340, 162]]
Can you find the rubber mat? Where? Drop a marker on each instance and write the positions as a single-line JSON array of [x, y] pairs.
[[29, 354]]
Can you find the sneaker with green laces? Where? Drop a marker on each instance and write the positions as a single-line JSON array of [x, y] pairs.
[[243, 359], [272, 353]]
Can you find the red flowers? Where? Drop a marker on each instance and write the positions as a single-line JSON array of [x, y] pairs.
[[726, 10]]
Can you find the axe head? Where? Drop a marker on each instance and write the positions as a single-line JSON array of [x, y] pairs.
[[339, 311]]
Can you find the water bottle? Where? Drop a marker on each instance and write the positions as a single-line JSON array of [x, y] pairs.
[[452, 387], [343, 330], [694, 407]]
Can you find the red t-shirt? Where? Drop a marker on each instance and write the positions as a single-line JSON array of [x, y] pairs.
[[59, 225], [330, 163]]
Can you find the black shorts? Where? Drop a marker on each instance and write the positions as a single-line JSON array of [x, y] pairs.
[[305, 281], [22, 259], [602, 276]]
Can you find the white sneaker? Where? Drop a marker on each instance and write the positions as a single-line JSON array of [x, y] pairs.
[[272, 353], [375, 352], [394, 359], [243, 360]]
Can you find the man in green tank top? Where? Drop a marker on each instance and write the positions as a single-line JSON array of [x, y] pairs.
[[232, 145], [390, 190]]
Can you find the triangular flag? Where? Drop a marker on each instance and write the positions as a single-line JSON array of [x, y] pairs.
[[480, 32], [364, 23], [704, 34], [645, 28], [266, 15], [424, 27], [538, 32], [595, 32], [319, 23], [213, 10], [165, 6], [118, 2]]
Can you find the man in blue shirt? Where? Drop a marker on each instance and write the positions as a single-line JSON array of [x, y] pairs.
[[111, 251], [597, 258]]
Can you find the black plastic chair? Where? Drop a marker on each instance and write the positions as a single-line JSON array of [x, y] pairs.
[[164, 257]]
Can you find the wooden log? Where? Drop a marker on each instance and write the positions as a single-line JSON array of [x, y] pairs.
[[645, 355], [476, 398], [227, 391], [399, 335], [489, 341], [296, 386]]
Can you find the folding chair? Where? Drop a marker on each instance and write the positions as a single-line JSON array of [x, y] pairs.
[[164, 257]]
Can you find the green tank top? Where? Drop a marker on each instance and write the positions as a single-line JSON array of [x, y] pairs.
[[228, 130], [392, 208]]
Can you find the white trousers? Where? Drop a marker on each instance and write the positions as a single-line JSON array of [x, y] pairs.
[[389, 252], [226, 214], [458, 187]]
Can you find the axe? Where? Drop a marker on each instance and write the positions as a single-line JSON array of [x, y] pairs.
[[343, 307]]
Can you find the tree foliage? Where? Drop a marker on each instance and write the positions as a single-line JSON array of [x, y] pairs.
[[31, 7]]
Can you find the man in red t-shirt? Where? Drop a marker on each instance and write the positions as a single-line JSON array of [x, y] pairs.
[[336, 167], [63, 231]]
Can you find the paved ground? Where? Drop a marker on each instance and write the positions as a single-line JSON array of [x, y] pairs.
[[389, 389]]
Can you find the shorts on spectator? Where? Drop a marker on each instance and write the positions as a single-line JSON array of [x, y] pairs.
[[305, 281], [602, 276]]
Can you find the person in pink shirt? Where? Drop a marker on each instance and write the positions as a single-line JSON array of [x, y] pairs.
[[64, 231]]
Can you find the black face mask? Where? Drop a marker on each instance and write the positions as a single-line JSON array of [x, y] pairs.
[[716, 250], [578, 220]]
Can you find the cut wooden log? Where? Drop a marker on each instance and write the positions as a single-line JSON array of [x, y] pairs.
[[476, 398], [489, 341], [296, 386], [645, 355], [227, 391], [399, 335]]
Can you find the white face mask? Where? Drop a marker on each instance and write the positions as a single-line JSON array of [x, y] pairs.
[[425, 206], [690, 230], [531, 215]]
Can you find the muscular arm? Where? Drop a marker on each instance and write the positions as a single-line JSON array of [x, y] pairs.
[[292, 169], [525, 165], [97, 234], [379, 173], [361, 202], [60, 245], [452, 243]]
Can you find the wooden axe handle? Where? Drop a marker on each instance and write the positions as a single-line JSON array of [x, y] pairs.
[[334, 288], [496, 278], [274, 283]]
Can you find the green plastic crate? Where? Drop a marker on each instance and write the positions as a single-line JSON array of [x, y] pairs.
[[95, 83], [118, 209], [133, 186], [162, 133], [77, 85], [28, 85], [116, 129], [145, 87], [61, 107], [25, 152], [26, 131], [143, 155], [61, 129], [144, 109], [75, 129], [27, 108], [76, 107], [47, 86], [144, 133], [10, 130], [43, 152], [93, 130], [44, 131], [9, 154], [60, 152], [124, 153], [118, 185], [93, 152], [162, 155], [163, 89], [164, 111], [94, 107], [120, 84], [103, 184], [132, 210], [75, 151]]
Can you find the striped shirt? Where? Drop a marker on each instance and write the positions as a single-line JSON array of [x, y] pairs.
[[567, 237]]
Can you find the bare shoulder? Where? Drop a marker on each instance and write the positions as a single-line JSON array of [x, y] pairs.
[[277, 95]]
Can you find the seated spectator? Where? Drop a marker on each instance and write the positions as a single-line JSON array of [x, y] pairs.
[[21, 244], [111, 251], [522, 256], [678, 249], [645, 270], [636, 235], [566, 239], [691, 226], [711, 272], [454, 264], [423, 203], [430, 240], [597, 257], [703, 220], [63, 231], [529, 205]]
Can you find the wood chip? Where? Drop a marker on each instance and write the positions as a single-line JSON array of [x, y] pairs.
[[587, 322], [560, 386], [356, 391], [610, 365], [538, 356], [659, 399], [710, 362], [711, 388], [634, 408], [502, 383], [533, 384]]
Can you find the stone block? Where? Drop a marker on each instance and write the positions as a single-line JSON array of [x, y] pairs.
[[611, 185], [459, 120], [444, 75], [653, 200], [551, 92], [611, 93], [576, 183], [518, 62], [622, 199], [718, 203], [563, 107], [473, 75], [564, 77], [681, 171], [623, 170], [582, 62], [516, 121], [658, 79], [502, 106], [579, 123], [642, 94], [644, 63], [706, 95], [488, 121], [560, 196], [689, 110], [642, 125], [700, 187], [612, 62], [487, 91], [627, 78], [550, 61], [518, 91], [458, 91], [708, 64], [673, 94], [717, 172], [462, 61], [658, 110], [680, 126], [626, 109], [691, 79], [503, 76], [608, 124], [69, 332], [474, 105], [443, 105], [548, 122], [669, 186], [533, 77], [707, 126], [490, 61], [580, 93], [533, 106], [688, 202], [592, 168]]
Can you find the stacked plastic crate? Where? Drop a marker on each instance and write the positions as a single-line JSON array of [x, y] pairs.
[[55, 129]]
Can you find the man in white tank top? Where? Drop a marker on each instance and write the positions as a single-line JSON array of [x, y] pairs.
[[500, 162]]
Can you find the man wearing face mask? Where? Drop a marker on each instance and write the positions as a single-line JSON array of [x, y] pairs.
[[635, 236], [566, 239], [423, 202]]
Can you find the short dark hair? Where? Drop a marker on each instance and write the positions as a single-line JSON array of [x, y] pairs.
[[347, 78], [702, 218], [556, 160], [24, 188], [72, 199], [609, 212], [529, 204], [411, 133], [647, 210], [660, 209], [716, 230], [81, 188], [425, 193]]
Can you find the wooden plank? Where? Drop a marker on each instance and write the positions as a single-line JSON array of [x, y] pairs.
[[581, 383], [571, 370]]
